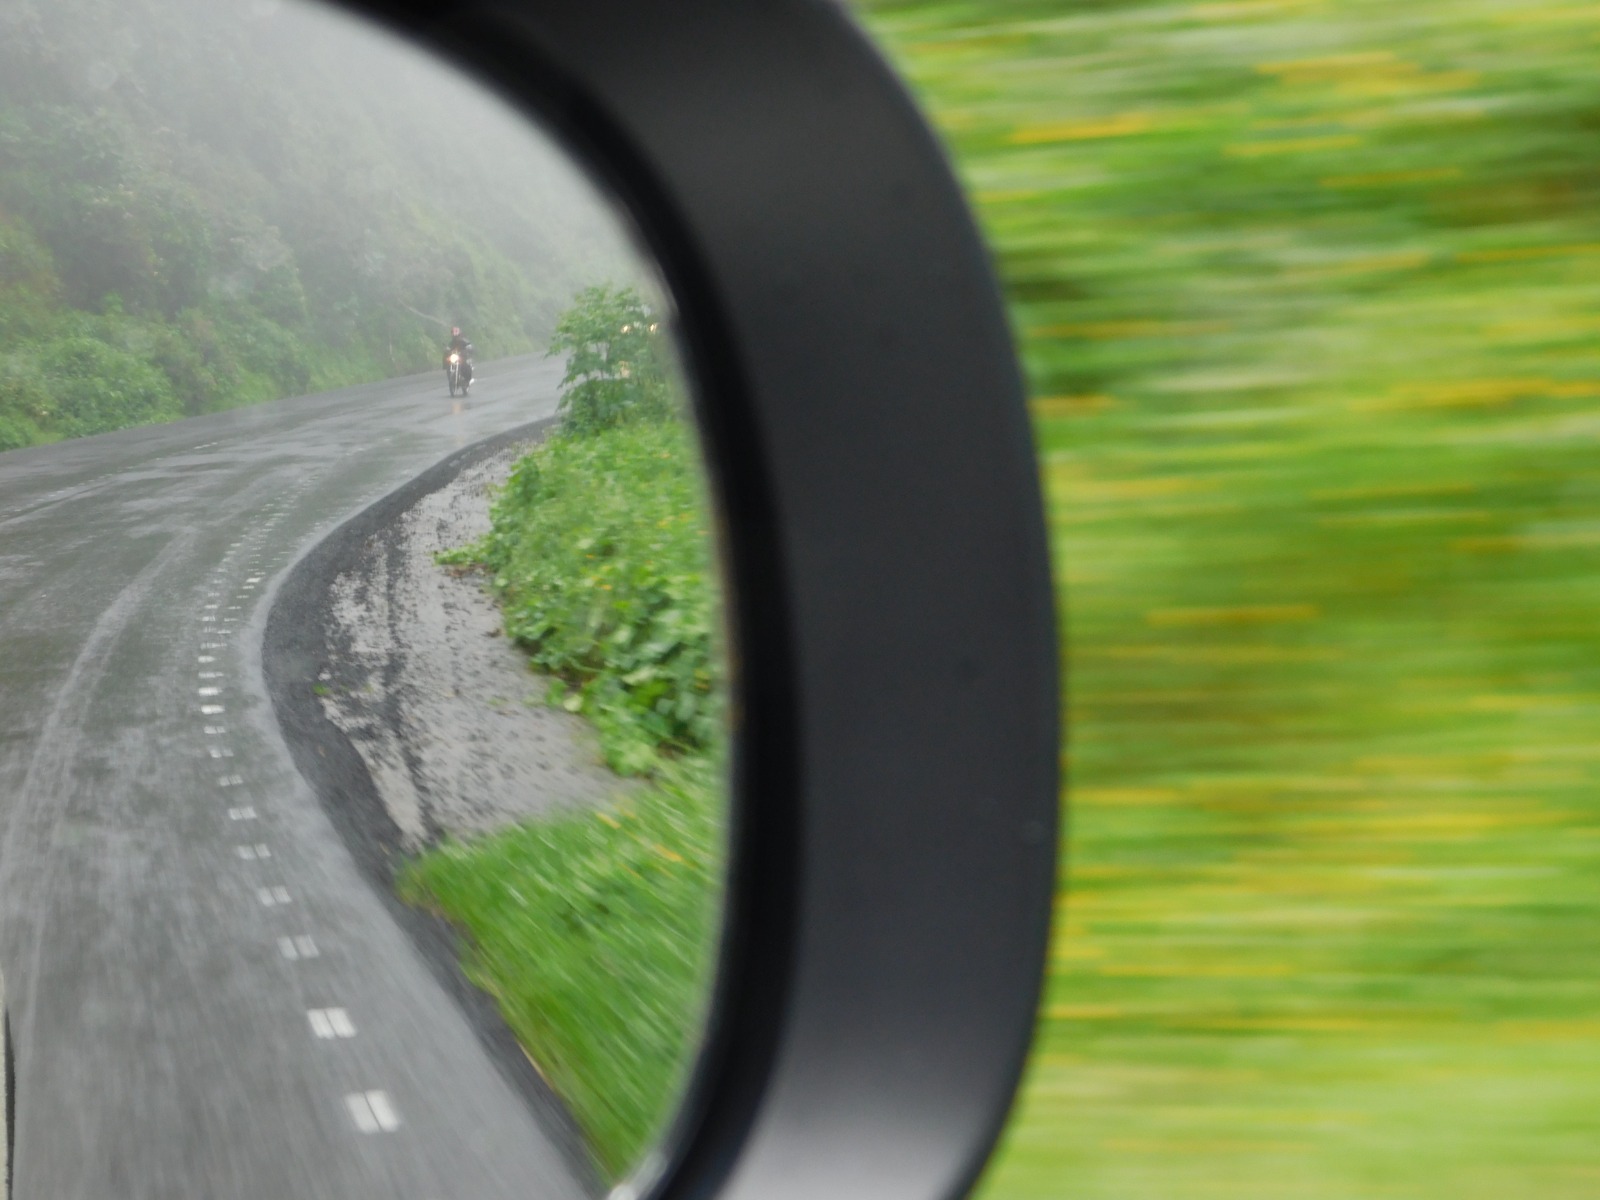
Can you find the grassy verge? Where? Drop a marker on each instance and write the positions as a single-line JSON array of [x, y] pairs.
[[593, 932], [596, 931], [1307, 296]]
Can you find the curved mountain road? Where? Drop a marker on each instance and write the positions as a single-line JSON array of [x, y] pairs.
[[206, 996]]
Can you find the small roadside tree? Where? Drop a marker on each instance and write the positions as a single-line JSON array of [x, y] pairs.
[[613, 343]]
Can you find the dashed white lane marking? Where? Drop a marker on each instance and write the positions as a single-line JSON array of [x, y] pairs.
[[212, 710], [230, 781], [206, 658], [219, 752], [271, 897], [216, 731], [210, 675], [294, 948], [247, 813], [331, 1023], [252, 853], [372, 1112], [211, 691]]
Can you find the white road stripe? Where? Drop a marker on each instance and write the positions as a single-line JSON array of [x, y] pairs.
[[388, 1119], [247, 813], [331, 1023], [361, 1112], [296, 948], [212, 710]]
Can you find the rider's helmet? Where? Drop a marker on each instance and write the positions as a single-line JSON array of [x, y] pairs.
[[455, 331]]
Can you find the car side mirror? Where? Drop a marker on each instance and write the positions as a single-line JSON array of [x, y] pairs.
[[878, 691], [895, 772]]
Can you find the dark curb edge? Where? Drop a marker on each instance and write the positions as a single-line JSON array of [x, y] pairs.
[[295, 651]]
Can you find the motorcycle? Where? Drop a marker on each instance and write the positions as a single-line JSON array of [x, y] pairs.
[[458, 370]]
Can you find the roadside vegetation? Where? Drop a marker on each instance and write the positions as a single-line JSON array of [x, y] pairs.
[[595, 931], [1308, 298], [205, 205]]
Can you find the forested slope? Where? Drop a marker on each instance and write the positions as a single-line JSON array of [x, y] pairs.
[[209, 204]]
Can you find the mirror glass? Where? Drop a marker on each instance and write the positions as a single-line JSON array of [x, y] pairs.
[[361, 787]]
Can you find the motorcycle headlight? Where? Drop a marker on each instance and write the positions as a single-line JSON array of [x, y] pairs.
[[455, 358]]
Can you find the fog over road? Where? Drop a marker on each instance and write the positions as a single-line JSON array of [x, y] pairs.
[[207, 998]]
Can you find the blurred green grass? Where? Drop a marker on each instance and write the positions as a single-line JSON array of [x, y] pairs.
[[595, 933], [1308, 293]]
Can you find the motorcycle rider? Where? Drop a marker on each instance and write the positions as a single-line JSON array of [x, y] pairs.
[[459, 345]]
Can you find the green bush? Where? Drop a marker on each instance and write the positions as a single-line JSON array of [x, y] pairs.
[[15, 432], [600, 555], [612, 340], [89, 387]]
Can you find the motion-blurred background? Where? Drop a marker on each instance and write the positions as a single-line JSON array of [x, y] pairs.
[[1307, 294]]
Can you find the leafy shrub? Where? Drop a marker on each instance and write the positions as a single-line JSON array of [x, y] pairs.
[[24, 403], [612, 341], [15, 433], [92, 387], [600, 555], [201, 374]]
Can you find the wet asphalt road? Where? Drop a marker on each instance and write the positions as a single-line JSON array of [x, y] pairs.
[[207, 998]]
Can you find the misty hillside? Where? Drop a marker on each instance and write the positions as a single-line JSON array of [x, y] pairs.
[[207, 203]]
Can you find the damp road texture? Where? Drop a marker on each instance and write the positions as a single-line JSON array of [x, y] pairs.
[[206, 996]]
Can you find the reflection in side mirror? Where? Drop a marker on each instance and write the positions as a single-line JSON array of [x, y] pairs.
[[364, 672]]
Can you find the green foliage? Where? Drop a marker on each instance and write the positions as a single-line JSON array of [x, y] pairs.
[[1307, 295], [595, 933], [600, 555], [613, 342], [80, 385], [14, 431]]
